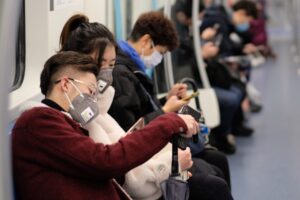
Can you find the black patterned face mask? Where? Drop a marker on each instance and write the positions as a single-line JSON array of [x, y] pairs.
[[106, 75]]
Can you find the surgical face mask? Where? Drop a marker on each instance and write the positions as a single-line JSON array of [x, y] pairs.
[[152, 60], [83, 108], [106, 75], [242, 27]]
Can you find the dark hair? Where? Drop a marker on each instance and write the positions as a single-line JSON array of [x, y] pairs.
[[248, 6], [63, 61], [159, 27], [78, 34], [188, 6]]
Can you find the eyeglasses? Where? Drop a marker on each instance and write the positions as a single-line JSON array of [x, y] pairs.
[[153, 46], [93, 89]]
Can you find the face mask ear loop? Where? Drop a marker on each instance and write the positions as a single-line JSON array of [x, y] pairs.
[[69, 100], [77, 89], [154, 49], [152, 44], [143, 51]]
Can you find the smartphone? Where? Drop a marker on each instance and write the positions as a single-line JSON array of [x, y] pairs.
[[102, 86], [195, 94], [190, 111], [194, 113]]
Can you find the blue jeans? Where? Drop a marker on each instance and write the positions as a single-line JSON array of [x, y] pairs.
[[229, 102]]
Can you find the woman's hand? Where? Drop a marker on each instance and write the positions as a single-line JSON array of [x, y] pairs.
[[185, 159]]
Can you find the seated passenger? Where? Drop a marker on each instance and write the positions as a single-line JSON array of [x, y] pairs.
[[230, 95], [53, 156], [243, 12], [153, 34], [143, 182], [258, 31], [238, 22]]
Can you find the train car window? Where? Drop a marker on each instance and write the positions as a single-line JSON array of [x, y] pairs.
[[20, 52]]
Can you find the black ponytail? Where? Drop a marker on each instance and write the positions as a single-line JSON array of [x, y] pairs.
[[82, 36], [72, 24]]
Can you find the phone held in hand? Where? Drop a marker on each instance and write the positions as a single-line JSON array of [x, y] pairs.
[[195, 94], [190, 111]]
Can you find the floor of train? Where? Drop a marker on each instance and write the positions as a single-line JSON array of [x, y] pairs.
[[266, 165]]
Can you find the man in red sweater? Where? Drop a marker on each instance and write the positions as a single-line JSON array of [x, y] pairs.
[[53, 157]]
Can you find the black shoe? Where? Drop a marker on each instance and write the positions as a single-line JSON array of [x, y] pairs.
[[225, 144], [242, 131], [255, 108]]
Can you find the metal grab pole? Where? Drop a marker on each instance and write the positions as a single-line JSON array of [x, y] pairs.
[[168, 66], [9, 17], [197, 45]]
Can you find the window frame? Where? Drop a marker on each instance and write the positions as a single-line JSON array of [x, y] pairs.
[[20, 56]]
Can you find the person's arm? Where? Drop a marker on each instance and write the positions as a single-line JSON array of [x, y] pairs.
[[60, 147]]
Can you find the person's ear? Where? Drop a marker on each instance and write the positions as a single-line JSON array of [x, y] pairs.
[[250, 18], [65, 84], [145, 41]]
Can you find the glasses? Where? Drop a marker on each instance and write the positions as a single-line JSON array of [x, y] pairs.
[[153, 46], [93, 89]]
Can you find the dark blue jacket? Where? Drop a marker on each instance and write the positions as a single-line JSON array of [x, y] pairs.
[[218, 15]]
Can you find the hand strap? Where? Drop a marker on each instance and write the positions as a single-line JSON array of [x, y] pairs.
[[175, 167]]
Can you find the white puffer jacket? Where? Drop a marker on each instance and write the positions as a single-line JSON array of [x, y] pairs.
[[142, 182]]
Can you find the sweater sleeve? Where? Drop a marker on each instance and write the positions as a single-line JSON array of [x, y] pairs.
[[55, 143]]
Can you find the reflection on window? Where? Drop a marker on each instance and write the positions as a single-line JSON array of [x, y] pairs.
[[20, 52]]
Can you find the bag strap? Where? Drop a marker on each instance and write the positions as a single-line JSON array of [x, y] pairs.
[[175, 164]]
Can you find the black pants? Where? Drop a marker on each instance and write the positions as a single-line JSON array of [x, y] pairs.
[[205, 185], [219, 160]]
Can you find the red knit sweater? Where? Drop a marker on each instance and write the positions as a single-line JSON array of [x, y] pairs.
[[54, 159]]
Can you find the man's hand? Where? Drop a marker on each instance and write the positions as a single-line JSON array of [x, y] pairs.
[[192, 125], [173, 104], [209, 50], [249, 48], [179, 90], [208, 33]]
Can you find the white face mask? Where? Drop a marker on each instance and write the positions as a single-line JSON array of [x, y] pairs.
[[152, 60]]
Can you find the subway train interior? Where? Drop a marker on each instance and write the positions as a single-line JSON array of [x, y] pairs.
[[239, 69]]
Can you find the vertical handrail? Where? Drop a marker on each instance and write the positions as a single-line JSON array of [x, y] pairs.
[[106, 12], [168, 66], [9, 16], [128, 17], [118, 20], [197, 45]]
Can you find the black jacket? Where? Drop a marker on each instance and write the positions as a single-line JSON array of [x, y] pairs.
[[134, 94], [218, 15], [218, 75]]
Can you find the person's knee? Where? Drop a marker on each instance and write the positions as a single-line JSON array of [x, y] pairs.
[[229, 101], [209, 187]]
